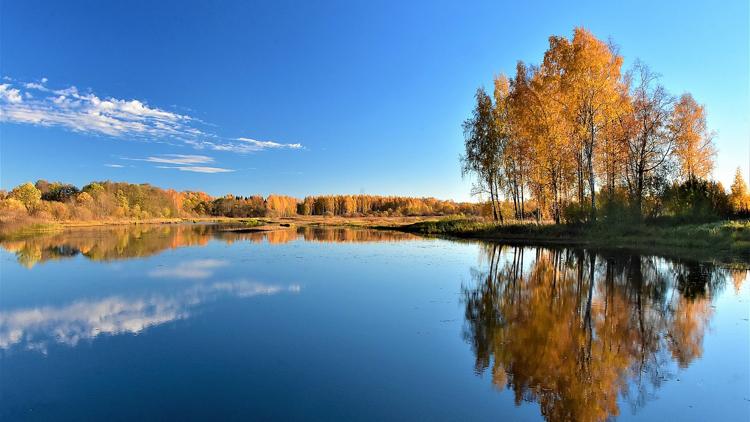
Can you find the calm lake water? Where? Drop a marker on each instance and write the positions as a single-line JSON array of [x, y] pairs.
[[196, 322]]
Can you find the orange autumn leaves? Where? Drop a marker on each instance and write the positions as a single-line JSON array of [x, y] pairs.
[[576, 127]]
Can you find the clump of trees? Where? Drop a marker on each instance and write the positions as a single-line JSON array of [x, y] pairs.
[[110, 200], [581, 139], [236, 206], [97, 200], [249, 206]]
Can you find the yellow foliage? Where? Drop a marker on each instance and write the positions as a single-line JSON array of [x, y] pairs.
[[694, 146], [84, 198], [576, 125], [12, 205], [739, 197]]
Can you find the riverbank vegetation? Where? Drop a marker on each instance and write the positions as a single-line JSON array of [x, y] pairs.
[[724, 240]]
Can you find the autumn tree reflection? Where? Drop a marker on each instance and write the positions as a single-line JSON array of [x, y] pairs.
[[576, 331], [739, 275], [135, 241]]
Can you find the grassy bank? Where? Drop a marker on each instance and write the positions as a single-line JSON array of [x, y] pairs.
[[727, 241]]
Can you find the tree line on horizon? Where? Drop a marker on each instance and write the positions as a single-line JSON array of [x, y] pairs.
[[576, 138], [58, 201]]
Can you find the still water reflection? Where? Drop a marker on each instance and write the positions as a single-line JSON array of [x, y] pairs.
[[124, 242], [575, 331], [208, 321]]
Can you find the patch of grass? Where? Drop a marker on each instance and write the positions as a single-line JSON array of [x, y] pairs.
[[252, 222]]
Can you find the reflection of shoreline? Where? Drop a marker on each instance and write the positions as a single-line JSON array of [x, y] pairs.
[[124, 242], [575, 331], [35, 328]]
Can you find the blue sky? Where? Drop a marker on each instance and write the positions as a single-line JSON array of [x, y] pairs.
[[315, 97]]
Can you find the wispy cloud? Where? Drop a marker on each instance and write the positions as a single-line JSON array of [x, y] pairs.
[[115, 166], [241, 145], [269, 144], [183, 162], [198, 169], [37, 104], [86, 112], [177, 159]]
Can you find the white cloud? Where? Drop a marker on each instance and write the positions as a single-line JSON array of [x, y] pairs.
[[120, 118], [36, 86], [269, 144], [198, 169], [244, 146], [183, 162], [9, 94], [90, 114], [116, 166], [177, 159]]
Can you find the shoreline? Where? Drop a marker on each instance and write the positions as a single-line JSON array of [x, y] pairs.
[[33, 227], [727, 242]]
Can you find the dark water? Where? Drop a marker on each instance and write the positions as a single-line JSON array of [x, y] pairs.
[[195, 322]]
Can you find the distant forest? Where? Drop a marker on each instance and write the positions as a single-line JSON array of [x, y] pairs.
[[58, 201]]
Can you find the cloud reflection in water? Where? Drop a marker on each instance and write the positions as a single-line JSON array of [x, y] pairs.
[[35, 328]]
